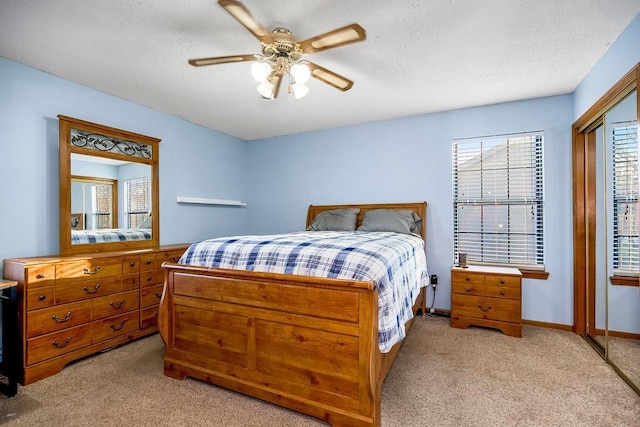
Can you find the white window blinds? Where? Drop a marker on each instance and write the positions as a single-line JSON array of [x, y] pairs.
[[498, 200], [625, 198], [136, 195], [101, 204]]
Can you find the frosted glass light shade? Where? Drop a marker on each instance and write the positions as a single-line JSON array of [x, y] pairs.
[[299, 90], [266, 89], [300, 73], [260, 71]]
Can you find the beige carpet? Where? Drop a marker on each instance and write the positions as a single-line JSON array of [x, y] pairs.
[[442, 376]]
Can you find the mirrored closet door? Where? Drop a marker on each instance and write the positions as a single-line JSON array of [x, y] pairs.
[[606, 228]]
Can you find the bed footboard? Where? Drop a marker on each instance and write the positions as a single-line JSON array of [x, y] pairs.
[[305, 343]]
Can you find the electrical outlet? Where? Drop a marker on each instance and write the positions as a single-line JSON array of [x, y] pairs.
[[433, 280]]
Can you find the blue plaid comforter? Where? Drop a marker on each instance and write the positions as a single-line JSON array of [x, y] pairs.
[[109, 235], [396, 263]]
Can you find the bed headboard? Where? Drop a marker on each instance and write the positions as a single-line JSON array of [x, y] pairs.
[[418, 207]]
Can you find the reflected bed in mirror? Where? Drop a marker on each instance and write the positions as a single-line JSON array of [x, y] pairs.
[[108, 188]]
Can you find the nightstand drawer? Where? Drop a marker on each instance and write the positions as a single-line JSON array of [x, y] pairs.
[[486, 308], [466, 278], [486, 291]]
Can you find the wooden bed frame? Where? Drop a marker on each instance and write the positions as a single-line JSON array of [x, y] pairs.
[[306, 343]]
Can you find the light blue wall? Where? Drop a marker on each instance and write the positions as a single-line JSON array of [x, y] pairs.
[[194, 161], [409, 159], [621, 57]]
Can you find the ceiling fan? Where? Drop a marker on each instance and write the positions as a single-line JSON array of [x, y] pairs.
[[283, 54]]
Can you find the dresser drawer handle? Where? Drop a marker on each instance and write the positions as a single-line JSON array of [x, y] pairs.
[[468, 289], [42, 297], [149, 261], [158, 294], [66, 317], [89, 291], [117, 328], [484, 309], [117, 304], [58, 345], [468, 279], [149, 278], [502, 282], [41, 276], [132, 264], [502, 292], [89, 272]]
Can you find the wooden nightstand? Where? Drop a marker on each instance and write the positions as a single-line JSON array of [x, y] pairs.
[[487, 296]]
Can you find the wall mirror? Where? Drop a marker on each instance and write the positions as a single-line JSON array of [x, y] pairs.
[[109, 193]]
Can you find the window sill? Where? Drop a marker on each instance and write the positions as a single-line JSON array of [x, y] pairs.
[[625, 280], [534, 274]]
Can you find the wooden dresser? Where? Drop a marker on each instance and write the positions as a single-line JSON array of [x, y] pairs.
[[73, 306], [487, 296]]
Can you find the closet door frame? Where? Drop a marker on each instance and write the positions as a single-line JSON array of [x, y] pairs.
[[584, 209]]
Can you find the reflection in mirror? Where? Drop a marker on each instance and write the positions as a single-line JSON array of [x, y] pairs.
[[108, 188], [623, 230]]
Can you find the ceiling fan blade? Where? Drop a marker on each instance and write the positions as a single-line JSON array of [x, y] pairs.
[[339, 37], [329, 77], [243, 16], [221, 60]]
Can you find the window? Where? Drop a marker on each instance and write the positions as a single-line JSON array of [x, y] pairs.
[[625, 199], [498, 200], [101, 205], [137, 201]]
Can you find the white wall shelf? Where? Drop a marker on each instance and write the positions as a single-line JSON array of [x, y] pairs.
[[203, 201]]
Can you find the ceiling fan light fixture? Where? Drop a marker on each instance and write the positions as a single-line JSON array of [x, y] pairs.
[[260, 71], [299, 90], [300, 73], [266, 89]]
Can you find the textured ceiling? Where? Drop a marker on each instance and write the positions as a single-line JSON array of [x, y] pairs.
[[419, 57]]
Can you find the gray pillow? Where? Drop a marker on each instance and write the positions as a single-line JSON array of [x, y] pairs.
[[335, 220], [396, 220]]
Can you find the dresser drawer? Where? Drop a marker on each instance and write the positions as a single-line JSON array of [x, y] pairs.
[[485, 290], [131, 265], [58, 343], [168, 256], [57, 317], [150, 295], [39, 297], [85, 289], [115, 326], [95, 268], [112, 305], [501, 309], [149, 316], [40, 275], [147, 262], [131, 282], [150, 278]]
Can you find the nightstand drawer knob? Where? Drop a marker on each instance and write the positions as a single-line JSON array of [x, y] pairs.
[[42, 297], [41, 276], [468, 289], [502, 292], [132, 264], [484, 309]]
